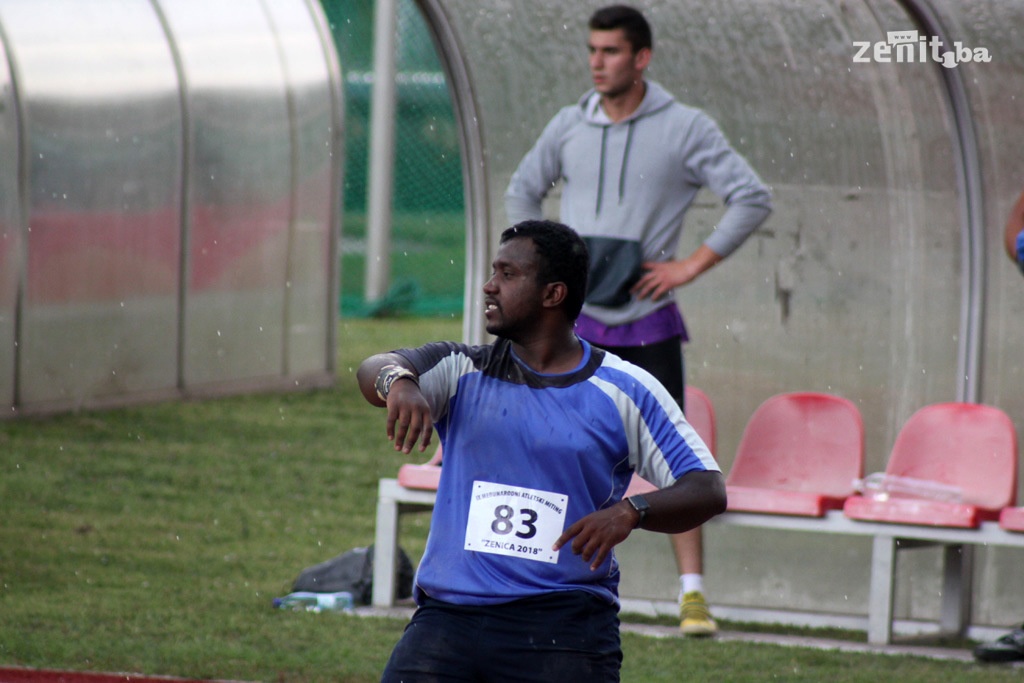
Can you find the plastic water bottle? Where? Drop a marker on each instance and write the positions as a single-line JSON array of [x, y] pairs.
[[882, 486], [304, 601]]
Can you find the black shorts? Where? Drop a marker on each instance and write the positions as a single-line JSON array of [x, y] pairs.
[[563, 637], [662, 359]]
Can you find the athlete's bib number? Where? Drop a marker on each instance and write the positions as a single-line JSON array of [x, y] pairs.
[[513, 521]]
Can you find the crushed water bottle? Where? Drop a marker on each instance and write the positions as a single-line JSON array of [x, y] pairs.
[[304, 601], [882, 486]]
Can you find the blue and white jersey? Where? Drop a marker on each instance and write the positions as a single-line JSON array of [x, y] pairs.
[[527, 454]]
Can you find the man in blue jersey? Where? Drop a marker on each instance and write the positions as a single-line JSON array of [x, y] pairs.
[[541, 434]]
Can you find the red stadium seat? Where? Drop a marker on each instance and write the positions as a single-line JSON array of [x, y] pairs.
[[425, 476], [700, 413], [1012, 519], [967, 445], [799, 455]]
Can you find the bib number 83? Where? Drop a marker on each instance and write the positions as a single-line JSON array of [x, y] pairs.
[[505, 522], [515, 521]]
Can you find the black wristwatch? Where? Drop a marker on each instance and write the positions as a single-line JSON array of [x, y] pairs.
[[641, 505]]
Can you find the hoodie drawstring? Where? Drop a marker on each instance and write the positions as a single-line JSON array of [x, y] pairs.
[[625, 158], [622, 167], [600, 171]]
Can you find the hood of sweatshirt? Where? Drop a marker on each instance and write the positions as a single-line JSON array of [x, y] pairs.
[[655, 99]]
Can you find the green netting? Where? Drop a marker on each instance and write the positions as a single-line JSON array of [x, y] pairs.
[[428, 232]]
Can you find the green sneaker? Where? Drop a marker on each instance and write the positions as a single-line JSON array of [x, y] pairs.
[[695, 617]]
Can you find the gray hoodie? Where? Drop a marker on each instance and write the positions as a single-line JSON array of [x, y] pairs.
[[627, 186]]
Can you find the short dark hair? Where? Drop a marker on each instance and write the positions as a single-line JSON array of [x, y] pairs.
[[630, 20], [563, 257]]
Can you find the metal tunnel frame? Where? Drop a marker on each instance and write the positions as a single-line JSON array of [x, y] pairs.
[[968, 169], [953, 127], [173, 227], [478, 242]]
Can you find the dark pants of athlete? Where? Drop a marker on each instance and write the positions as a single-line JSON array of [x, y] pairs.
[[663, 359], [560, 637]]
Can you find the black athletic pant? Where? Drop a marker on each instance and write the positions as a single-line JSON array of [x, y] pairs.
[[561, 637]]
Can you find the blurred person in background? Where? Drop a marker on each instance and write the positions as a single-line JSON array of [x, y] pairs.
[[631, 159], [1010, 647]]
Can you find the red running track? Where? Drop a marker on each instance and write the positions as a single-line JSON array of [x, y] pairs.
[[19, 675]]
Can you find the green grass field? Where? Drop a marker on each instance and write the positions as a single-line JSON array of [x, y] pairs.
[[428, 264], [152, 540]]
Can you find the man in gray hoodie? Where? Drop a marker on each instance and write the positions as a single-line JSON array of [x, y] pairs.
[[631, 159]]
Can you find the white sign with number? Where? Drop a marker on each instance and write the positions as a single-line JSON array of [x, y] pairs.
[[514, 521]]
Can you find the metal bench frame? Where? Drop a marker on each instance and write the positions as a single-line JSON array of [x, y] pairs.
[[394, 500]]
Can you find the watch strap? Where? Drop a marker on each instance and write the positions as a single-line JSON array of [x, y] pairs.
[[641, 505]]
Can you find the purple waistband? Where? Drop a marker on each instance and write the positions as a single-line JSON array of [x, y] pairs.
[[664, 323]]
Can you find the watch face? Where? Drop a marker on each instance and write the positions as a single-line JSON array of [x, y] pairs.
[[639, 503]]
